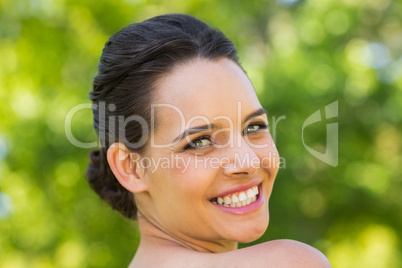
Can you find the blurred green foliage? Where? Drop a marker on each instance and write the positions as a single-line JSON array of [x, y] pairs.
[[300, 55]]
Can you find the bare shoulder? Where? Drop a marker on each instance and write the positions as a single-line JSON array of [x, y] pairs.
[[277, 253]]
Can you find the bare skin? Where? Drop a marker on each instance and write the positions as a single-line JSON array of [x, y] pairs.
[[277, 253], [179, 222]]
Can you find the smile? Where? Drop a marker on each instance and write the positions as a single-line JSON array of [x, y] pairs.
[[238, 199]]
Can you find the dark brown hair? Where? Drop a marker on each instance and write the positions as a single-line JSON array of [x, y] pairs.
[[132, 61]]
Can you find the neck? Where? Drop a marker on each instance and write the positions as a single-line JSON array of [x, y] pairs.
[[152, 234]]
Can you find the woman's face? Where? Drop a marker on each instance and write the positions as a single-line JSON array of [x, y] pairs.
[[211, 146]]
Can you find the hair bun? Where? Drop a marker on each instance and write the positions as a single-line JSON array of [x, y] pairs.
[[95, 168], [102, 180], [94, 156]]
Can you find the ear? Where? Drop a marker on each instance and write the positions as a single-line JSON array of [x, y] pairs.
[[125, 168]]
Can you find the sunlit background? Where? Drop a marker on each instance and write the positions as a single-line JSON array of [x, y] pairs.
[[300, 56]]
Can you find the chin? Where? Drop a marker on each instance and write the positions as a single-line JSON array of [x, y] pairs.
[[252, 231]]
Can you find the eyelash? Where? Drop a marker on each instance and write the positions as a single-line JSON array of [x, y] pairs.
[[262, 126], [189, 146]]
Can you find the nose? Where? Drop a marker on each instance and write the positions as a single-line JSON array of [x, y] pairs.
[[242, 160]]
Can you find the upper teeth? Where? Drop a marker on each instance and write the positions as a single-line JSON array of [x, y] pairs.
[[239, 199]]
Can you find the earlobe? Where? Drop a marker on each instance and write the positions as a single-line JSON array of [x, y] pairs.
[[125, 168]]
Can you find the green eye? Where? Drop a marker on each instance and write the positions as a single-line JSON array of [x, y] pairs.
[[254, 128], [200, 142]]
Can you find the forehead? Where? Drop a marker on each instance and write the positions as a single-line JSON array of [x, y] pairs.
[[206, 88]]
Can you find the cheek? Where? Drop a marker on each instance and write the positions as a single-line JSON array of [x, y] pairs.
[[181, 165], [184, 182], [269, 158], [194, 175]]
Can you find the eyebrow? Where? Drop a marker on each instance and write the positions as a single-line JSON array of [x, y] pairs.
[[205, 127], [259, 112], [194, 130]]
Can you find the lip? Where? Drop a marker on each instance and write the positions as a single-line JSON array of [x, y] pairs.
[[239, 188], [246, 209]]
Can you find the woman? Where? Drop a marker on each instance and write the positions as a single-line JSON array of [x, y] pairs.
[[185, 148]]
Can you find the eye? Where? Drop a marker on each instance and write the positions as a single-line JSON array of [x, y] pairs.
[[200, 142], [255, 127]]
